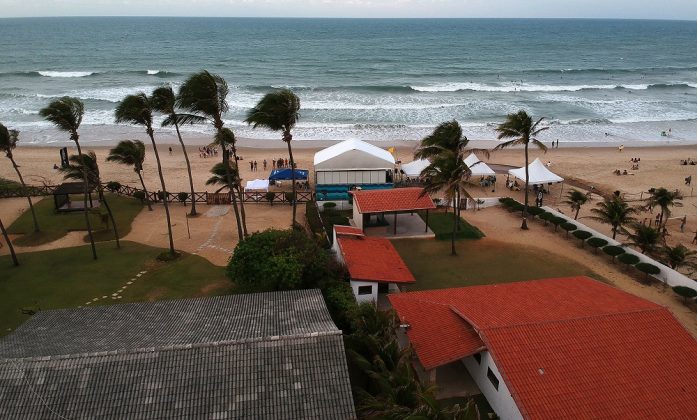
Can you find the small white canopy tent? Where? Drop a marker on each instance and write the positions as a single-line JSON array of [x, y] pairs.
[[353, 155], [537, 174], [257, 185], [478, 167], [413, 169]]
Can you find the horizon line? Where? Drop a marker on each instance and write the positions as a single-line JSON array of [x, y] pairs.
[[351, 17]]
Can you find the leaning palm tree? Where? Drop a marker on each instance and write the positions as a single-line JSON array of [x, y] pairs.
[[679, 256], [663, 199], [15, 261], [164, 101], [204, 96], [78, 166], [131, 152], [576, 199], [522, 130], [66, 114], [219, 177], [8, 141], [279, 111], [647, 238], [137, 109], [615, 212]]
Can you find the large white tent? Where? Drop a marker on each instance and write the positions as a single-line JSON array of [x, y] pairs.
[[413, 169], [353, 162], [537, 174], [478, 167], [257, 185]]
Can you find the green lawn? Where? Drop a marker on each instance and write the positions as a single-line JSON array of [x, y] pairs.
[[68, 277], [441, 224], [56, 225], [480, 262]]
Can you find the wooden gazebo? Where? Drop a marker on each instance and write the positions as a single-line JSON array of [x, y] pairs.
[[62, 193]]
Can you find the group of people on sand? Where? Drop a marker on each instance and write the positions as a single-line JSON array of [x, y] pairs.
[[207, 151], [687, 161], [512, 184]]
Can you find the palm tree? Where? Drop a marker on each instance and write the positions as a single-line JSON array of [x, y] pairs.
[[220, 177], [88, 164], [279, 111], [131, 152], [66, 114], [8, 141], [679, 256], [645, 237], [204, 95], [615, 212], [15, 261], [664, 199], [164, 101], [137, 109], [576, 199], [522, 130]]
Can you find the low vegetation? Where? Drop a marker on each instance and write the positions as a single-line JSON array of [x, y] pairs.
[[442, 226]]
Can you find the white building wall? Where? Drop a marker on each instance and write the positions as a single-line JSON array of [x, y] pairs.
[[372, 298], [357, 218], [500, 400]]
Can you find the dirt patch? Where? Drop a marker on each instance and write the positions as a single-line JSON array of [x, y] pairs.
[[210, 288], [156, 294]]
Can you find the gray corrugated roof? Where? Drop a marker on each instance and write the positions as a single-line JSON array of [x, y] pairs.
[[272, 355]]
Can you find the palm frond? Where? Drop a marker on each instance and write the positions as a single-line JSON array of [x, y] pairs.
[[135, 109], [65, 113], [277, 111], [204, 94]]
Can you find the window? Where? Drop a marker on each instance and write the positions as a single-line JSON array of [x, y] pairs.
[[478, 358], [492, 378], [365, 290]]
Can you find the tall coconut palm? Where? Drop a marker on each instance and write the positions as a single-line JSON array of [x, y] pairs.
[[8, 141], [164, 101], [279, 111], [204, 96], [521, 128], [615, 212], [576, 199], [663, 199], [647, 238], [131, 152], [137, 109], [679, 256], [88, 164], [66, 114], [15, 261]]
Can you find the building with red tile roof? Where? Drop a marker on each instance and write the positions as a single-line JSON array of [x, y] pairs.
[[558, 348], [367, 203], [373, 263]]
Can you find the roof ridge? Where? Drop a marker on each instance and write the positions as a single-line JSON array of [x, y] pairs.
[[172, 347]]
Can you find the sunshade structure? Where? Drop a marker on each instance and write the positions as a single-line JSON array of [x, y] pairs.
[[62, 201], [537, 173], [286, 174], [353, 162], [413, 169], [478, 167], [257, 185]]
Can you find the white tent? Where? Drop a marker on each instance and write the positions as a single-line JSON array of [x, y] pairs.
[[257, 185], [353, 155], [537, 173], [478, 167], [413, 169]]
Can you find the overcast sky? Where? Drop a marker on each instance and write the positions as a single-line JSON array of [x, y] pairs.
[[631, 9]]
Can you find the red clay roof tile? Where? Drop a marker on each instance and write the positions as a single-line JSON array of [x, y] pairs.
[[373, 259], [392, 200]]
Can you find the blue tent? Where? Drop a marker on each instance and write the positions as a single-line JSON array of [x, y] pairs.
[[283, 174]]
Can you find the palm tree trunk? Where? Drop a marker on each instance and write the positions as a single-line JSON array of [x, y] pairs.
[[243, 215], [188, 169], [111, 217], [452, 236], [233, 196], [292, 175], [26, 192], [527, 178], [86, 191], [145, 191], [15, 261], [614, 232], [578, 209], [164, 191]]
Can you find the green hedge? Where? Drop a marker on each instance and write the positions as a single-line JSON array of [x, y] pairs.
[[596, 242], [613, 251], [648, 268], [313, 220], [582, 235], [685, 292], [536, 211], [629, 259]]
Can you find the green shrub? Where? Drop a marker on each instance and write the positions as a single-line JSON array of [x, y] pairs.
[[582, 235], [140, 195], [536, 211], [270, 196], [568, 226], [685, 292], [341, 304], [627, 258], [596, 243], [556, 221], [113, 186], [289, 197], [329, 205], [648, 268], [613, 251], [182, 197], [161, 195], [517, 206], [314, 221]]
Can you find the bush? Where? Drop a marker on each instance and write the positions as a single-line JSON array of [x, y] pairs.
[[289, 197], [113, 186], [167, 256], [182, 197], [161, 195], [329, 205], [556, 221], [685, 292], [647, 268], [629, 259], [613, 251], [596, 243], [140, 195], [314, 221], [517, 206], [536, 211], [271, 195], [546, 216], [568, 227], [582, 235], [341, 304]]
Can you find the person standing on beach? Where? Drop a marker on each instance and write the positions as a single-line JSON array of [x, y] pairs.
[[170, 150], [683, 221], [251, 165], [264, 164]]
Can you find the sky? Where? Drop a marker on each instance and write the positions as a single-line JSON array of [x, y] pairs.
[[625, 9]]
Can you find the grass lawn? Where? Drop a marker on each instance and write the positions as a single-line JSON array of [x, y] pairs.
[[441, 224], [68, 277], [56, 225], [480, 262]]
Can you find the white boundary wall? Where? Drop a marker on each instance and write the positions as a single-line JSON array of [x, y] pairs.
[[500, 399], [667, 274]]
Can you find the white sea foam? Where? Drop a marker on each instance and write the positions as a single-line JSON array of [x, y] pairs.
[[153, 72], [519, 87], [66, 73]]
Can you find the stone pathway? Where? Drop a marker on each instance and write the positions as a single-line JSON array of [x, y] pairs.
[[117, 295], [219, 212]]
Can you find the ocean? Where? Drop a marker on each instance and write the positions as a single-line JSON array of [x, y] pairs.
[[373, 79]]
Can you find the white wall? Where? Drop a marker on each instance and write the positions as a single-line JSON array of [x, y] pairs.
[[667, 274], [357, 218], [373, 297], [343, 176], [500, 400], [487, 202]]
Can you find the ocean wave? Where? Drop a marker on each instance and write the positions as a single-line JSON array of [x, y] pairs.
[[73, 74], [523, 87], [48, 73]]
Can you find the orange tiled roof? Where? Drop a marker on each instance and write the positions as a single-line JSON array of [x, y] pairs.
[[373, 259], [391, 200], [566, 348], [348, 230]]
